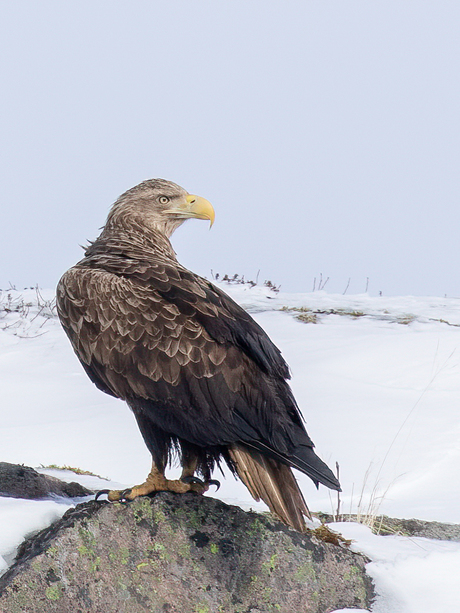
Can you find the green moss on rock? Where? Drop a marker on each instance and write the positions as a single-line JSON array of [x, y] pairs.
[[53, 592]]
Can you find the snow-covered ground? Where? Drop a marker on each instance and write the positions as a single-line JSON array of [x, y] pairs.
[[377, 379]]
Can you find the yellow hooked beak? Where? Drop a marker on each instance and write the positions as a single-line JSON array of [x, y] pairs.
[[194, 206]]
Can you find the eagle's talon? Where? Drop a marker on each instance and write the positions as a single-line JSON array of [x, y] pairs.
[[191, 479], [100, 493], [124, 495]]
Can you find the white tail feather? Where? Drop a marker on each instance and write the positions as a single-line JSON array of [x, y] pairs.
[[273, 482]]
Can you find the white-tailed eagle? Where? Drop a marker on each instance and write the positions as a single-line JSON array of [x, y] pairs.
[[200, 375]]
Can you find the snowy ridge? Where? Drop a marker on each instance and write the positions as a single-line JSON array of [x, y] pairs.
[[377, 379], [400, 309]]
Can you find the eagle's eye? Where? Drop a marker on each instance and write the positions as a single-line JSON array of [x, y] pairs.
[[164, 199]]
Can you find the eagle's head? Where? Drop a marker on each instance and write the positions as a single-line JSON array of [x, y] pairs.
[[159, 205]]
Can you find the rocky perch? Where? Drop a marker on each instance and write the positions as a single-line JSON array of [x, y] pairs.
[[181, 553]]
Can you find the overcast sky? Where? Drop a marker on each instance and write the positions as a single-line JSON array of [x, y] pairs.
[[325, 133]]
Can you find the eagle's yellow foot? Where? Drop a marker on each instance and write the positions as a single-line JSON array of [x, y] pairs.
[[165, 485], [160, 484], [157, 482]]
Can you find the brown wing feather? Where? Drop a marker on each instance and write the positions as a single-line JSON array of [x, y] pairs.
[[130, 338], [131, 330], [272, 482]]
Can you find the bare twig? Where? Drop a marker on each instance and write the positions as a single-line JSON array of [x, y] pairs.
[[322, 284], [338, 493]]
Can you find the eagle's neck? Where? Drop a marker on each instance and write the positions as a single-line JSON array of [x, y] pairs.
[[133, 241]]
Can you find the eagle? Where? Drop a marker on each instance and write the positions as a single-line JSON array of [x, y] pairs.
[[202, 378]]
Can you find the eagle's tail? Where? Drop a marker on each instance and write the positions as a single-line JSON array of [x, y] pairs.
[[273, 482]]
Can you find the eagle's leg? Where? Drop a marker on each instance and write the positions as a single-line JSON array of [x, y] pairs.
[[189, 468], [188, 472], [157, 482]]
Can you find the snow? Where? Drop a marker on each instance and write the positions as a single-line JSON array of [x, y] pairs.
[[411, 575], [21, 517], [377, 379]]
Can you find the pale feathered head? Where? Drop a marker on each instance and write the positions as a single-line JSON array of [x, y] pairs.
[[159, 205]]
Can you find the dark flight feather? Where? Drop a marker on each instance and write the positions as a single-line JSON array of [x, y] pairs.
[[200, 375]]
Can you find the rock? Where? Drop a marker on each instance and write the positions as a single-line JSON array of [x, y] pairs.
[[418, 527], [388, 526], [180, 554], [17, 481]]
